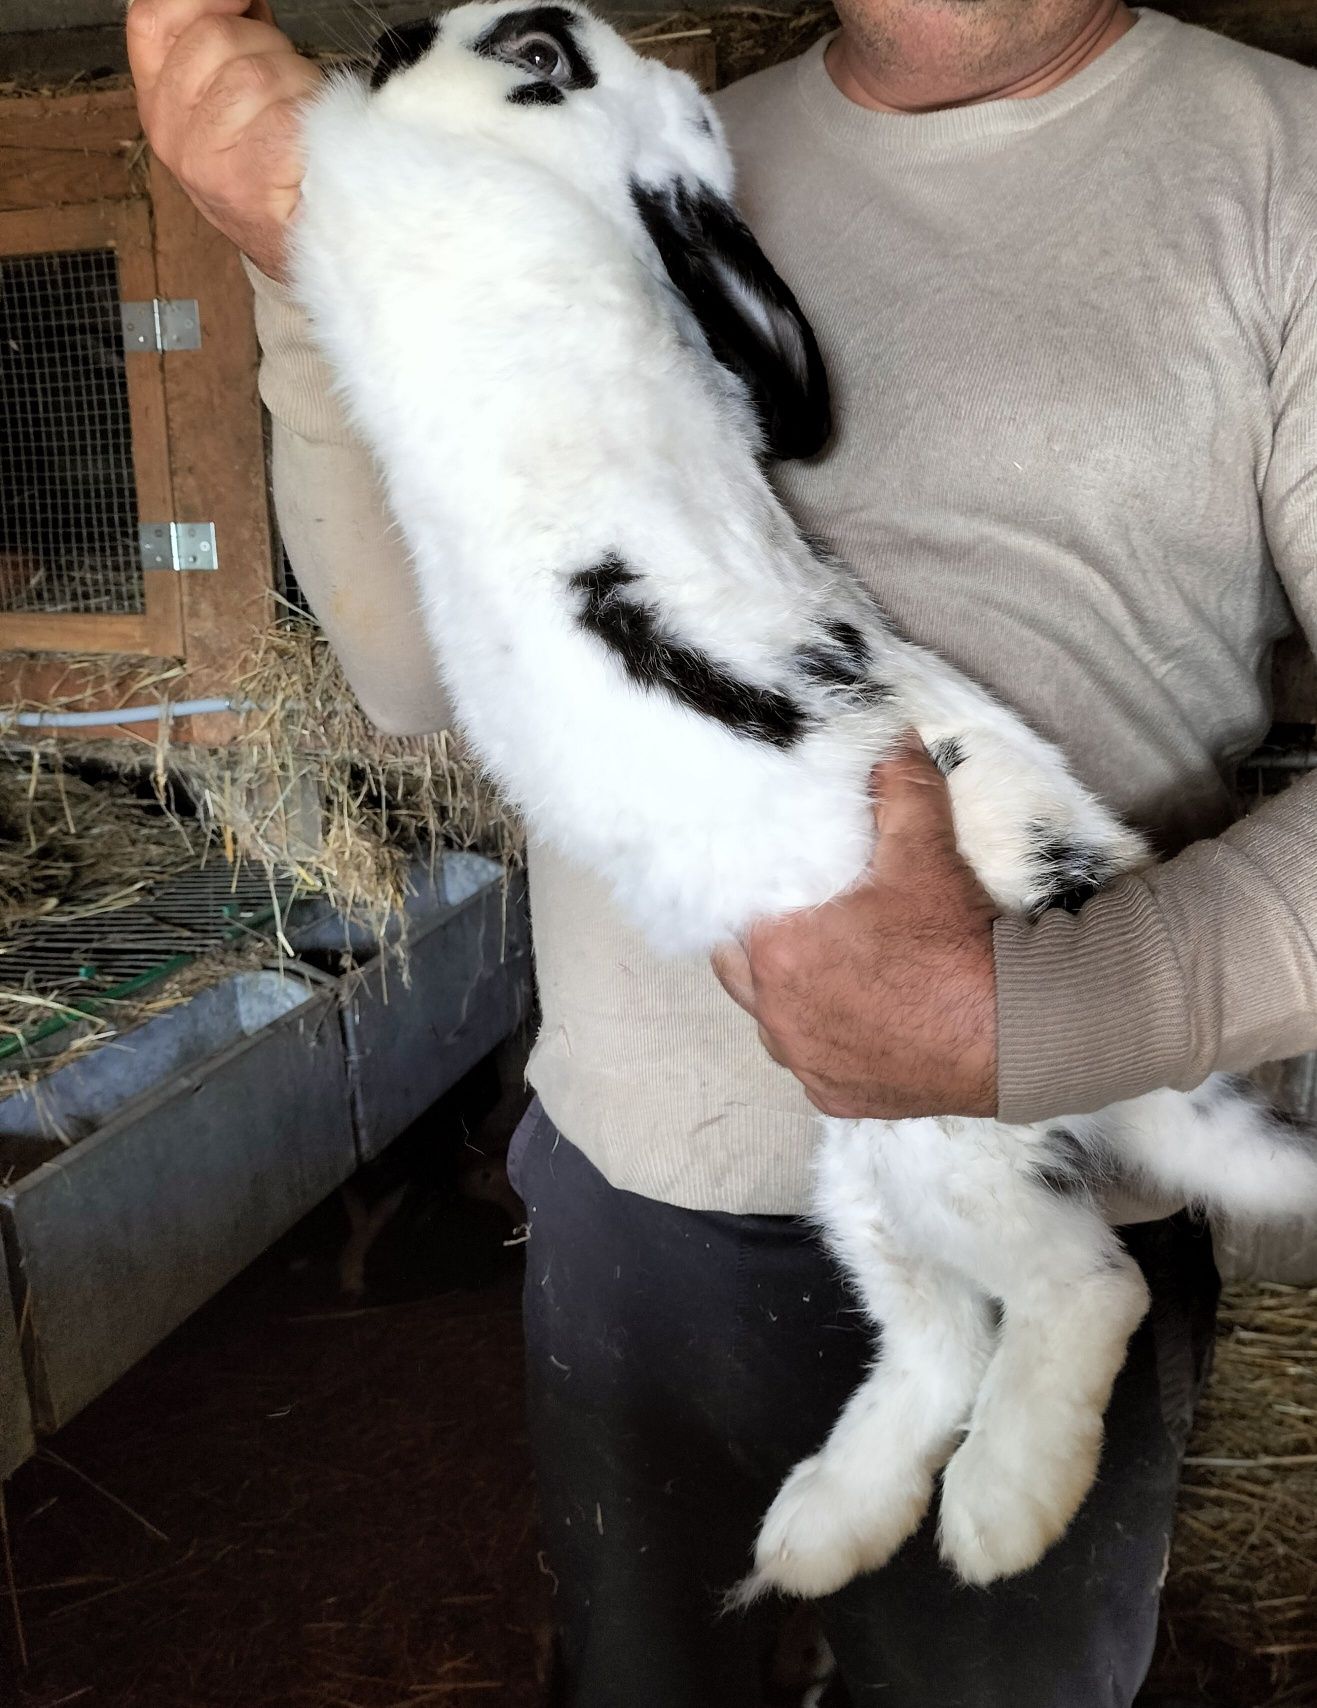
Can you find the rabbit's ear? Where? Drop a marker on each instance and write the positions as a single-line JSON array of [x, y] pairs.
[[752, 323], [400, 46]]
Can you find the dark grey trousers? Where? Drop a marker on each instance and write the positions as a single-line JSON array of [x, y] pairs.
[[680, 1362]]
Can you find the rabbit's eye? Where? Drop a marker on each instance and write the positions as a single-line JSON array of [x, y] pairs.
[[539, 53]]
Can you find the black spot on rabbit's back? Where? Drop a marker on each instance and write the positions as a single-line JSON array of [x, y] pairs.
[[850, 640], [611, 609], [831, 669], [947, 755], [1063, 1166], [818, 548], [839, 659], [402, 45]]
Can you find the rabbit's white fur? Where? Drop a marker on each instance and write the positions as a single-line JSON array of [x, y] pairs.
[[679, 690]]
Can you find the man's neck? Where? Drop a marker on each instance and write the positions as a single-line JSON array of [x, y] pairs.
[[919, 56]]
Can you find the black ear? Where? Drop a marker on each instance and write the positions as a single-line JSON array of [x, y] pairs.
[[752, 323]]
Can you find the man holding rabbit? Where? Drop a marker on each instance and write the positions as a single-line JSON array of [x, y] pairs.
[[1059, 256]]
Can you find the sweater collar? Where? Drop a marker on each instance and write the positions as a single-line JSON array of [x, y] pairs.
[[937, 132]]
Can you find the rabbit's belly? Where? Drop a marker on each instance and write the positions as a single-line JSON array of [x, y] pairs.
[[698, 830], [695, 858], [937, 1186], [688, 887]]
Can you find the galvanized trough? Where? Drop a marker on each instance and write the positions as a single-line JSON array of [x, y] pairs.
[[15, 1413], [145, 1176], [468, 986], [139, 1179]]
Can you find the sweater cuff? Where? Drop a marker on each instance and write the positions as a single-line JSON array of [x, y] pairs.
[[295, 383], [264, 288], [1092, 1007]]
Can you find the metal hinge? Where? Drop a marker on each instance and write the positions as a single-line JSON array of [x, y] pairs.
[[163, 323], [178, 545]]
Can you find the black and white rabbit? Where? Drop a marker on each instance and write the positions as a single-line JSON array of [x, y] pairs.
[[519, 252]]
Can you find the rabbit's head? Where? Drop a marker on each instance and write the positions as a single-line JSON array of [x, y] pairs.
[[557, 87]]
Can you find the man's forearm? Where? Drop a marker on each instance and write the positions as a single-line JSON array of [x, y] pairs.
[[1206, 963]]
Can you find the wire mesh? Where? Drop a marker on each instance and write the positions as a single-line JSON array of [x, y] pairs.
[[290, 589], [195, 913], [68, 498]]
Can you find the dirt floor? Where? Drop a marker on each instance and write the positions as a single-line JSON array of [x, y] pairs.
[[302, 1504], [301, 1501]]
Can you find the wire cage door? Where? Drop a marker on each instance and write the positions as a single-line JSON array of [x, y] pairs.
[[84, 456]]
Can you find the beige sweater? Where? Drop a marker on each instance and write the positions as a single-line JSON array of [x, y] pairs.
[[1073, 342]]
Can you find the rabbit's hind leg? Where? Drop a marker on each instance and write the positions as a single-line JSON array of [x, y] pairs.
[[1071, 1298], [849, 1508]]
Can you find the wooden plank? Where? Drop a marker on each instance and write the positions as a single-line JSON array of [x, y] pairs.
[[41, 59], [32, 180], [73, 631], [50, 679], [69, 149], [32, 14], [217, 451], [131, 226], [84, 121], [54, 231]]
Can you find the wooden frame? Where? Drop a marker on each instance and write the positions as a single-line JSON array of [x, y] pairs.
[[75, 173], [124, 227]]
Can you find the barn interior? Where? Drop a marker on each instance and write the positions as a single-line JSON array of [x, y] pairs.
[[266, 997]]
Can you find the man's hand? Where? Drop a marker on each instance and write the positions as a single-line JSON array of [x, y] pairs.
[[218, 87], [883, 1003]]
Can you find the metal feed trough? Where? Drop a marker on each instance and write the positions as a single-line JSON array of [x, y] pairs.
[[194, 1145], [16, 1441], [138, 1179], [468, 973], [86, 960]]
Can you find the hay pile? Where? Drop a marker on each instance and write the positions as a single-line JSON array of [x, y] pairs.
[[1241, 1595], [314, 790], [311, 791], [745, 38], [77, 846]]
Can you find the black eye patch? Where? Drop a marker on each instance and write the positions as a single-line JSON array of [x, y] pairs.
[[400, 46], [557, 23], [536, 95]]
